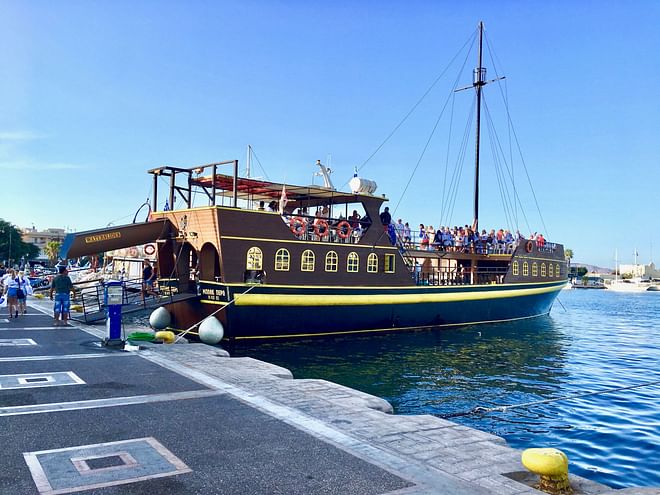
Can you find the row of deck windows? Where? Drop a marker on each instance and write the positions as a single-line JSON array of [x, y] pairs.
[[551, 269], [308, 261]]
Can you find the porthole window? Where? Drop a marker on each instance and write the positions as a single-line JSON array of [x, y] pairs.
[[515, 268], [525, 268], [372, 263], [543, 269], [254, 259], [535, 269], [551, 270], [331, 261], [389, 263], [282, 260], [307, 261], [353, 262], [558, 270]]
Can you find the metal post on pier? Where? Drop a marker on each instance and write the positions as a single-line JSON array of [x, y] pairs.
[[235, 186]]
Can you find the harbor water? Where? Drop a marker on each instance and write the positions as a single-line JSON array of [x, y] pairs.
[[597, 341]]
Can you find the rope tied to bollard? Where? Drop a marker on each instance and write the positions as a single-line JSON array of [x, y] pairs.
[[486, 410], [224, 306]]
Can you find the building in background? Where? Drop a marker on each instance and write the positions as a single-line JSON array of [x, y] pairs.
[[42, 237], [638, 270]]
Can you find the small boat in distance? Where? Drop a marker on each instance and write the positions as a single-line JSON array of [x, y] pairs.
[[312, 260]]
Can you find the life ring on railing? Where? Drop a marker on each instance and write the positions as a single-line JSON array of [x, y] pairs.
[[529, 246], [149, 249], [321, 224], [298, 226], [343, 229], [132, 252]]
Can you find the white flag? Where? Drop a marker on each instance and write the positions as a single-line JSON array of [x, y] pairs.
[[283, 200]]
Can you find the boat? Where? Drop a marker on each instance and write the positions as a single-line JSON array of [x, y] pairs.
[[632, 283], [277, 260], [589, 281]]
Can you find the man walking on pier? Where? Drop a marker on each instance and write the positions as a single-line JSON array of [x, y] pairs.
[[61, 286]]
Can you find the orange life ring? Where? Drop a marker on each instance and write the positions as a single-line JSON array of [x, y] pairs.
[[298, 225], [149, 249], [343, 229], [529, 246], [318, 224]]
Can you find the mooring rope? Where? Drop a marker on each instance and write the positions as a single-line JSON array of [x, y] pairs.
[[189, 329], [485, 410]]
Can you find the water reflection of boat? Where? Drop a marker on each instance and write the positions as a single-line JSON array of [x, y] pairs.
[[289, 272]]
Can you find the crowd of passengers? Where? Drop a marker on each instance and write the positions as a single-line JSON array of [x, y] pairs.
[[457, 239], [447, 239]]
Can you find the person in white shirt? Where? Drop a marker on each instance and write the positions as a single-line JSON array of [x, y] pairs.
[[25, 289]]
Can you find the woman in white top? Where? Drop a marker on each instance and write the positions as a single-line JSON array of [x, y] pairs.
[[25, 289], [11, 290]]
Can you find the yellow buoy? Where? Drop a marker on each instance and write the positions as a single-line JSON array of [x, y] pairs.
[[166, 336], [552, 467], [76, 307], [39, 296]]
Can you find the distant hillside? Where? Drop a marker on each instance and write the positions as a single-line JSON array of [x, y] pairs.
[[593, 268]]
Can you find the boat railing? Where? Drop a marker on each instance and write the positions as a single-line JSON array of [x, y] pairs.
[[89, 296], [414, 242], [458, 275], [321, 229]]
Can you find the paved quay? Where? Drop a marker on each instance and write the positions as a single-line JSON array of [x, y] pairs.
[[188, 419]]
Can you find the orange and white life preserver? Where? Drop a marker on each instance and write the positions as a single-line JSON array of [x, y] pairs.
[[344, 229], [149, 249], [529, 246], [321, 224], [298, 225]]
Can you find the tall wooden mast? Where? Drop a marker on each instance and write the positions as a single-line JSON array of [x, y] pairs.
[[478, 82]]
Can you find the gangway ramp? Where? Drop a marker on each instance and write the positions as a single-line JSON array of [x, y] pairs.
[[107, 239]]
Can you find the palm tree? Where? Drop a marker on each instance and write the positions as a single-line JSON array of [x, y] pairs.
[[52, 250], [568, 254]]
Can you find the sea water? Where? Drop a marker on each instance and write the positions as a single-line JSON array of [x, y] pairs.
[[592, 341]]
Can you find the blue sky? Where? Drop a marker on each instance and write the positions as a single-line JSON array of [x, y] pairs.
[[92, 94]]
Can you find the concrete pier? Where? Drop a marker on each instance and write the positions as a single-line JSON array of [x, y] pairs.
[[188, 419]]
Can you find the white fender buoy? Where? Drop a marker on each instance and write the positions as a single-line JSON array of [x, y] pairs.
[[211, 330], [160, 318]]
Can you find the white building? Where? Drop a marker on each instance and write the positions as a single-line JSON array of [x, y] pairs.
[[641, 271]]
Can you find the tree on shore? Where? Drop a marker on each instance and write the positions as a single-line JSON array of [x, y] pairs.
[[12, 245], [52, 250], [568, 254]]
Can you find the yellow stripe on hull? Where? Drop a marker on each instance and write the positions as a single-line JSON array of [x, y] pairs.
[[380, 299]]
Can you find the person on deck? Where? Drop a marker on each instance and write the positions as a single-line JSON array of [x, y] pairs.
[[61, 286], [354, 219], [385, 217], [407, 236], [148, 277]]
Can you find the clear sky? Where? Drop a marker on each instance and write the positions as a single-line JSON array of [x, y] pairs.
[[94, 93]]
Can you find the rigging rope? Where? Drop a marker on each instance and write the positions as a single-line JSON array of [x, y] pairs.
[[485, 410], [522, 158], [189, 329], [435, 126], [471, 41]]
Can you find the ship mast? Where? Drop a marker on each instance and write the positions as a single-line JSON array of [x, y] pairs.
[[479, 81]]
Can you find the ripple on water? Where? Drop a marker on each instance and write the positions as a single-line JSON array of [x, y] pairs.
[[603, 341]]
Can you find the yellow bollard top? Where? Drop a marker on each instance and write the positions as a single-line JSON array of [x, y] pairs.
[[165, 335], [545, 462]]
